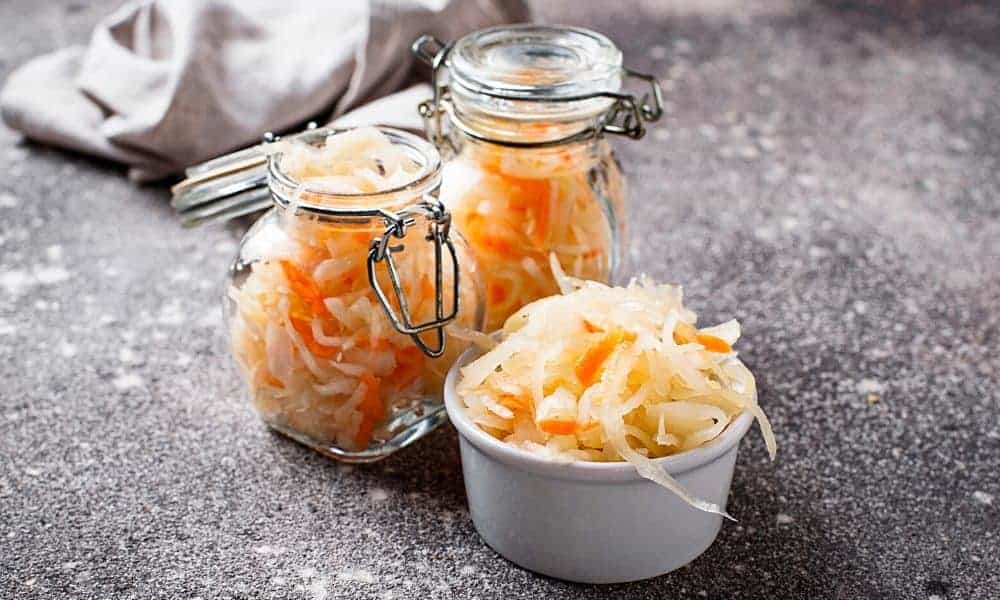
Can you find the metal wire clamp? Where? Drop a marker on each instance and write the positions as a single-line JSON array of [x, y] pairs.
[[382, 251], [627, 115]]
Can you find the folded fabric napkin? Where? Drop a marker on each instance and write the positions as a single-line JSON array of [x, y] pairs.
[[165, 84]]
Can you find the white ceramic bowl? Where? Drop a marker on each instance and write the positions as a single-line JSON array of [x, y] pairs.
[[586, 521]]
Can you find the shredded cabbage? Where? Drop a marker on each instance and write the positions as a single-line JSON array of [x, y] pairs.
[[516, 206], [317, 350], [612, 373]]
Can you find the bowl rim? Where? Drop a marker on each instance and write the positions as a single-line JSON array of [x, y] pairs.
[[596, 472]]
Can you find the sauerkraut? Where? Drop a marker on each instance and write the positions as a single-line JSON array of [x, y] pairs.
[[515, 206], [320, 356], [605, 373]]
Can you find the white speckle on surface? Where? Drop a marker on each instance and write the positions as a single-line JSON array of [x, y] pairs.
[[127, 381], [183, 360], [661, 134], [789, 223], [764, 233], [54, 253], [818, 252], [307, 573], [170, 315], [657, 52], [358, 575], [982, 497], [266, 550], [129, 356], [869, 386], [15, 281], [66, 349], [682, 46], [51, 275], [32, 471], [317, 588], [378, 495], [209, 319], [934, 597], [9, 201], [784, 519], [767, 144], [860, 307], [467, 570], [279, 581], [708, 132], [959, 144], [806, 180], [69, 566], [749, 152], [6, 328], [225, 247]]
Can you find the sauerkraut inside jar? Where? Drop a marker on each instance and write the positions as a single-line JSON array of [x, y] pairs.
[[520, 114], [345, 295]]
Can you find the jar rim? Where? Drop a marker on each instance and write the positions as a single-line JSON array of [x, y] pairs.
[[282, 185], [529, 61]]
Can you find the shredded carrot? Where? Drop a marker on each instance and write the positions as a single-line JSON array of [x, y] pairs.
[[713, 344], [305, 288], [409, 366], [513, 402], [497, 293], [426, 287], [557, 427], [540, 232], [589, 367], [590, 327], [376, 344], [304, 329]]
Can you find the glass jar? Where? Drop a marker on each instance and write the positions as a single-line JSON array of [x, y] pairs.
[[342, 308], [519, 113]]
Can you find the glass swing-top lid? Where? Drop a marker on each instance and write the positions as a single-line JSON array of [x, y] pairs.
[[535, 72]]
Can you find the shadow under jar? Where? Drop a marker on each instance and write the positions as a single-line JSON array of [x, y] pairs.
[[519, 114], [341, 307]]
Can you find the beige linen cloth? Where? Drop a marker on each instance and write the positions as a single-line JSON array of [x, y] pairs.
[[165, 84]]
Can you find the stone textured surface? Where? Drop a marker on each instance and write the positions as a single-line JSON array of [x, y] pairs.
[[828, 176]]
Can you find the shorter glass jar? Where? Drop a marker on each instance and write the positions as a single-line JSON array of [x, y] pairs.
[[341, 308], [519, 114]]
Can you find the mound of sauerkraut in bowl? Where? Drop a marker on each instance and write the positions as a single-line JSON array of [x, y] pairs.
[[604, 373]]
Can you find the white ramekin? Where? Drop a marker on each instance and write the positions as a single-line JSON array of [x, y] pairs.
[[585, 521]]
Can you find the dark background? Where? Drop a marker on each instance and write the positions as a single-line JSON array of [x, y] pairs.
[[826, 172]]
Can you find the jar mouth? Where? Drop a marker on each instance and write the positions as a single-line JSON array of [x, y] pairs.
[[287, 192], [535, 73], [536, 62]]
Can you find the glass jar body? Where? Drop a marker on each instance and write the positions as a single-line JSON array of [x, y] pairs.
[[517, 206], [323, 362]]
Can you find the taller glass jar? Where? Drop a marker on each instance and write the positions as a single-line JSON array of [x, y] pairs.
[[344, 295], [520, 114]]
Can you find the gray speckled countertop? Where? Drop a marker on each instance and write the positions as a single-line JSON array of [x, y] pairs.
[[831, 178]]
